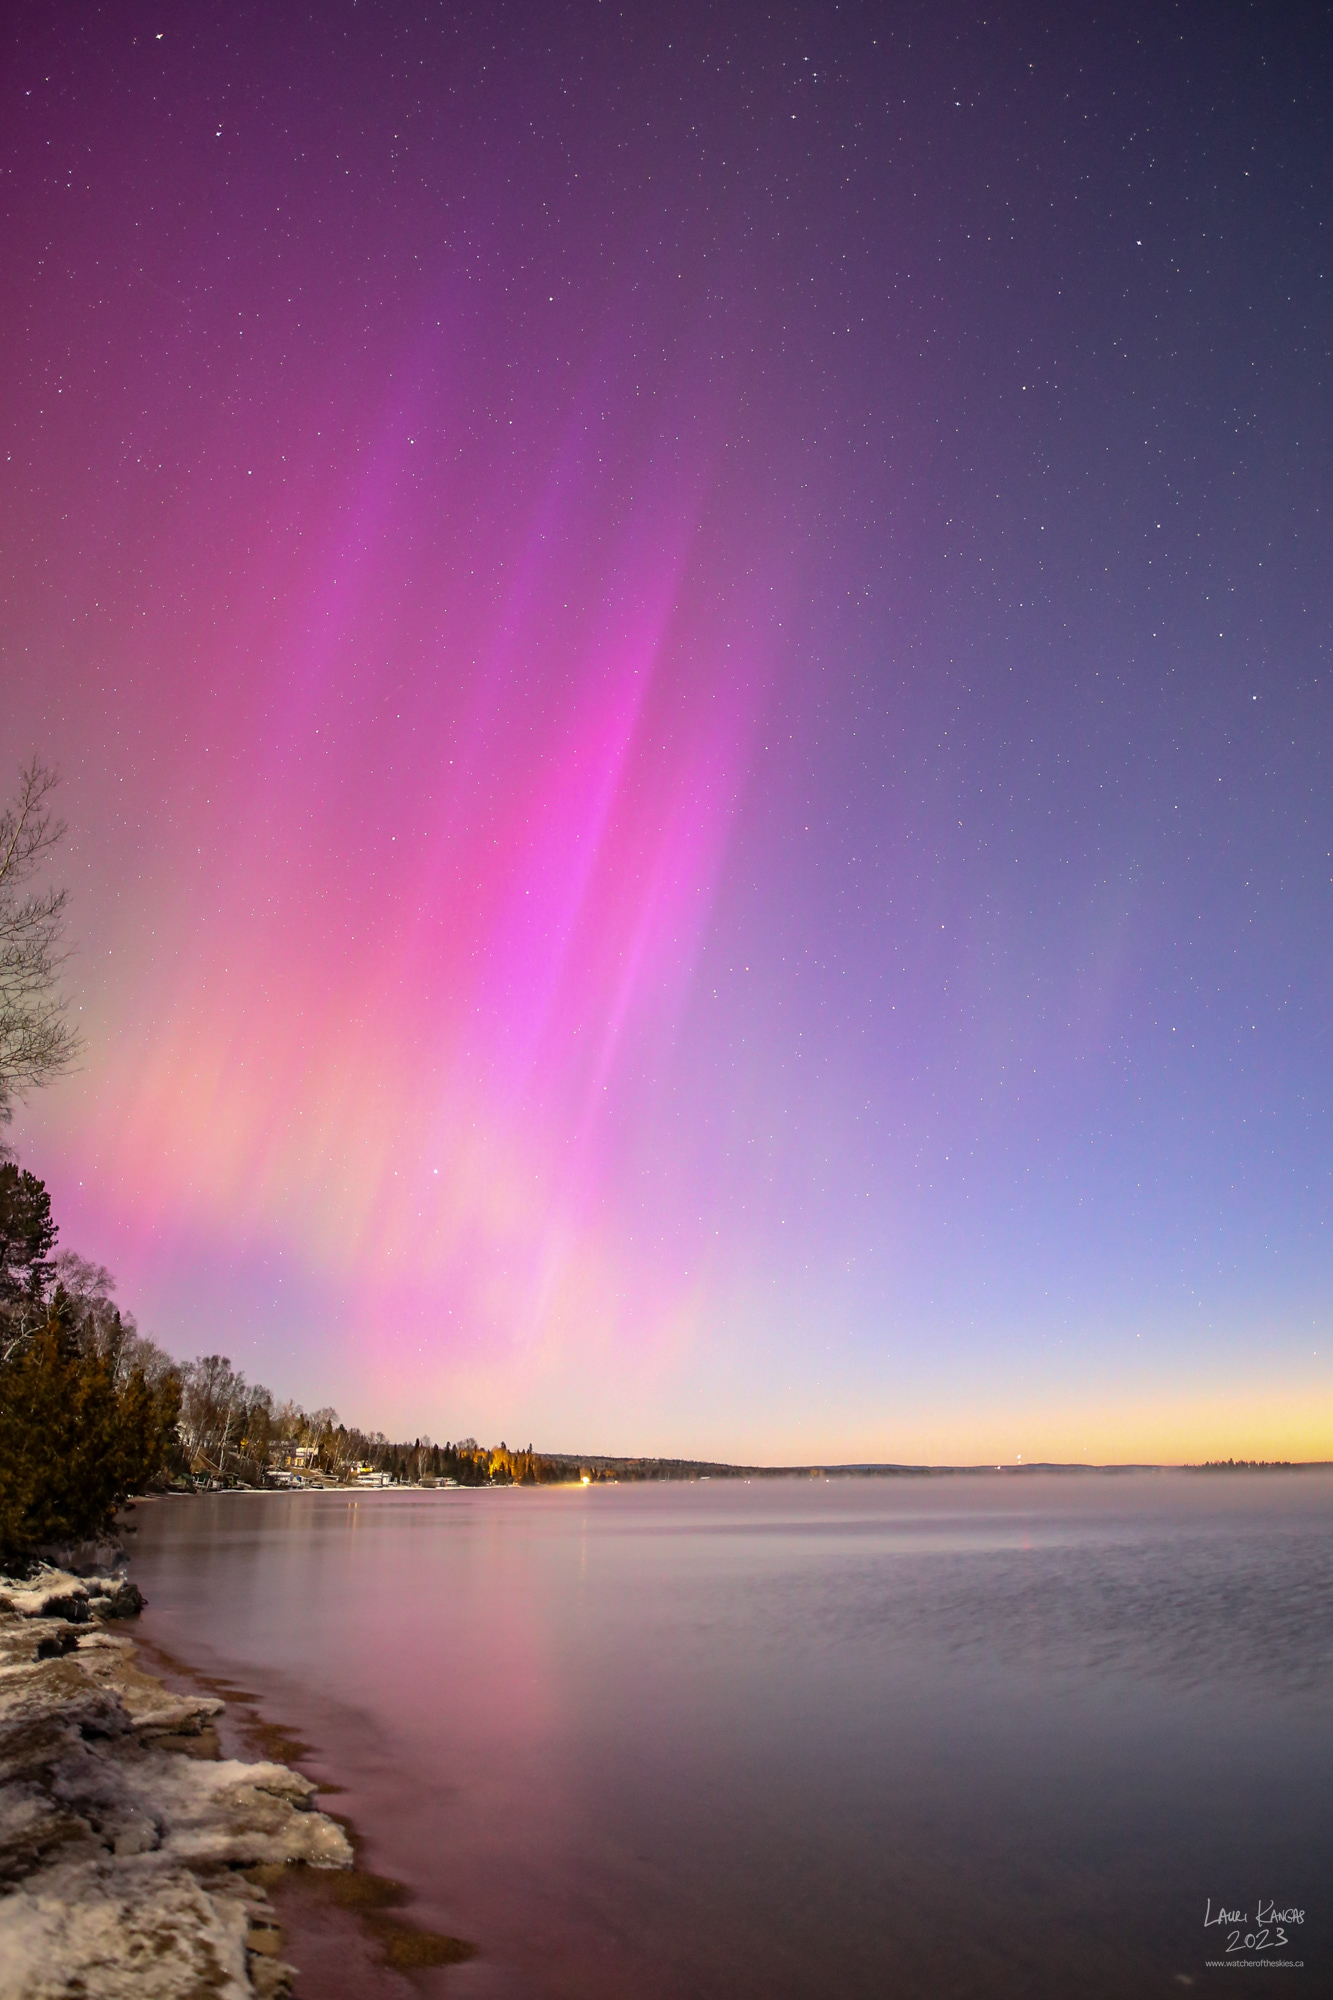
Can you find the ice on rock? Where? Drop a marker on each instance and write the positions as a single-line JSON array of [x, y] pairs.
[[118, 1855]]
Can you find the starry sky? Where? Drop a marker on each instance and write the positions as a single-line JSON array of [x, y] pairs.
[[690, 653]]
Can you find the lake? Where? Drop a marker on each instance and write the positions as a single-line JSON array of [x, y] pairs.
[[975, 1735]]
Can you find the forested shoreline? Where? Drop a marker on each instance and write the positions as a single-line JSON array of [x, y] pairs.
[[92, 1411]]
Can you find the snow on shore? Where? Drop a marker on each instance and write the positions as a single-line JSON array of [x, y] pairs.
[[123, 1837]]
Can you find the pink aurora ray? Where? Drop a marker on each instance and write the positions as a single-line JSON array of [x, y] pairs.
[[454, 859], [687, 656]]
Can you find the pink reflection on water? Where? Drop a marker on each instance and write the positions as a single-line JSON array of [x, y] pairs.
[[771, 1739]]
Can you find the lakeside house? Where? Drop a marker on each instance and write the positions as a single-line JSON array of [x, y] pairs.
[[293, 1459]]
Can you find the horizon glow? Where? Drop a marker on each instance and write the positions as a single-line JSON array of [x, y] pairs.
[[692, 673]]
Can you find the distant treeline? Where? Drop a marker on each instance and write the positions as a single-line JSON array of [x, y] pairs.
[[91, 1411], [1246, 1465]]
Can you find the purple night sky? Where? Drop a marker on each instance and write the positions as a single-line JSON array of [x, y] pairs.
[[690, 650]]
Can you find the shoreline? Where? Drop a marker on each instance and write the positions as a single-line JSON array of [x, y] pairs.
[[354, 1918], [137, 1860], [646, 1472]]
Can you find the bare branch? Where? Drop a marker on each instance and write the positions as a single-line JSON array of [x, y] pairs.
[[28, 827], [36, 1042]]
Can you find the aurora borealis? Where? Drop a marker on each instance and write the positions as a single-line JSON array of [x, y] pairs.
[[690, 651]]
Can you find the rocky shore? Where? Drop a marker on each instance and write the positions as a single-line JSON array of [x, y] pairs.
[[130, 1851]]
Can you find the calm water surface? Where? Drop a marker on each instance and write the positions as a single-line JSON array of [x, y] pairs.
[[984, 1736]]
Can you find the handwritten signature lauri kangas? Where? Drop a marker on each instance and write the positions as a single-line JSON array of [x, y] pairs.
[[1269, 1933]]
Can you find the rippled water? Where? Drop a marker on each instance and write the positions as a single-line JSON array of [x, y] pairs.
[[983, 1735]]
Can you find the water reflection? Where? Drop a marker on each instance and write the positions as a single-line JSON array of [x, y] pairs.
[[984, 1736]]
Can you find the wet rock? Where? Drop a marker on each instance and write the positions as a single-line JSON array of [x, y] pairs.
[[60, 1593], [114, 1597], [50, 1593]]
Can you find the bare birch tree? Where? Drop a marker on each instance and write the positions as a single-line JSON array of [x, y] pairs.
[[36, 1041]]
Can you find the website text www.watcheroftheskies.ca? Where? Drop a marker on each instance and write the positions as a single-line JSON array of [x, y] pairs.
[[1256, 1964]]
